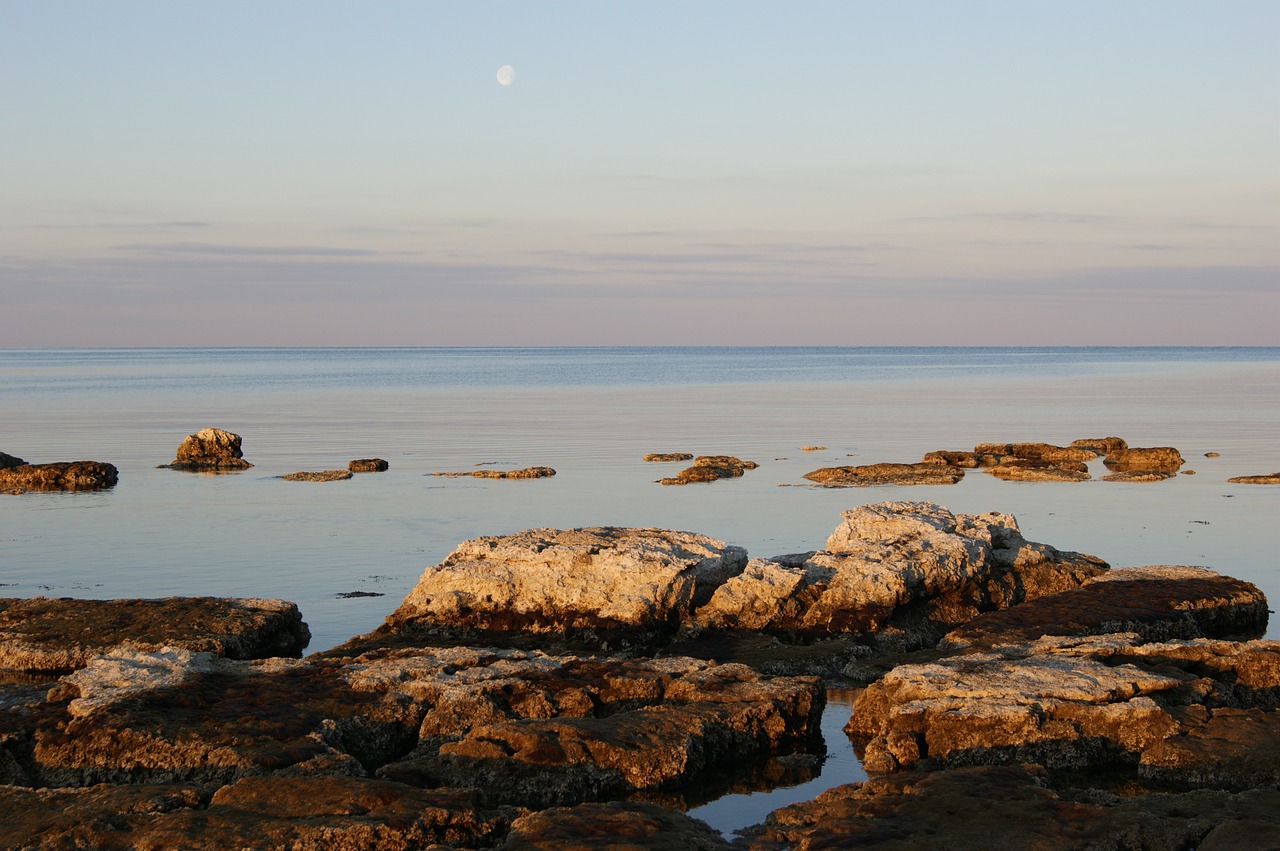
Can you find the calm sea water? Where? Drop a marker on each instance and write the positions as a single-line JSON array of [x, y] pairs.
[[592, 413]]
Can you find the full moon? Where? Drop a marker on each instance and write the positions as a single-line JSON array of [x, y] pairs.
[[506, 74]]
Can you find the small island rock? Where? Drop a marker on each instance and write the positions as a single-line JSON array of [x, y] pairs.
[[210, 450]]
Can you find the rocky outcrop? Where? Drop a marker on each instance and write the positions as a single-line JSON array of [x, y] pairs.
[[1158, 603], [1037, 451], [523, 473], [617, 826], [665, 457], [924, 473], [318, 476], [368, 465], [1101, 445], [899, 573], [58, 476], [635, 585], [983, 807], [710, 468], [44, 634], [210, 450], [961, 458], [1037, 470], [1268, 479], [1080, 703], [1163, 459], [7, 461]]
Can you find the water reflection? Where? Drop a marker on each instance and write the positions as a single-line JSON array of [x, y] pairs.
[[796, 780]]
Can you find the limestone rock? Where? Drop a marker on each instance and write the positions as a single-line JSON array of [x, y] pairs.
[[59, 476], [320, 476], [1101, 445], [621, 826], [1164, 459], [896, 572], [523, 473], [605, 579], [44, 634], [710, 468], [1079, 703], [924, 473], [664, 457], [1037, 470], [1268, 479], [984, 807], [210, 450], [961, 458], [368, 465], [1159, 602]]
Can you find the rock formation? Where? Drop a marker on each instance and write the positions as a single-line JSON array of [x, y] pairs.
[[886, 474], [318, 476], [1268, 479], [44, 634], [709, 468], [1037, 470], [368, 465], [663, 457], [210, 450], [1163, 459], [7, 461], [58, 476], [525, 473]]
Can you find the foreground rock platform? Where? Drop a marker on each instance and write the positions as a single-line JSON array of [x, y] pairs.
[[62, 634]]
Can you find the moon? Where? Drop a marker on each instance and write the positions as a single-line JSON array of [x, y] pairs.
[[506, 75]]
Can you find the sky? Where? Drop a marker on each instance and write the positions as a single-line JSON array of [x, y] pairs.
[[902, 172]]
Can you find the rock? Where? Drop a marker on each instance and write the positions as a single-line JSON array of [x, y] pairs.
[[210, 450], [44, 634], [7, 461], [813, 448], [638, 584], [669, 456], [1049, 452], [525, 473], [1078, 703], [59, 476], [886, 474], [368, 465], [966, 460], [1158, 603], [320, 476], [1137, 476], [620, 826], [1212, 455], [1101, 445], [900, 574], [1164, 459], [983, 807], [1269, 479], [710, 468], [1233, 749], [337, 813], [1035, 470]]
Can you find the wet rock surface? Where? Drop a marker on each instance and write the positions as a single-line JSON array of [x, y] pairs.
[[210, 450], [318, 476], [1163, 459], [1268, 479], [58, 476], [522, 473], [665, 457], [368, 465]]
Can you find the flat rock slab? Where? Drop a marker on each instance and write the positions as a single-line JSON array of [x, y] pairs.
[[47, 634], [886, 474], [59, 476], [523, 473], [1159, 602], [318, 476], [1079, 703], [980, 808], [619, 826], [1040, 470], [1267, 479]]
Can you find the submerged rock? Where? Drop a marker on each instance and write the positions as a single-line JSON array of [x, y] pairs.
[[58, 476], [709, 468], [368, 465], [318, 476], [45, 634], [525, 473], [210, 450], [1138, 476], [923, 473], [1268, 479], [664, 457]]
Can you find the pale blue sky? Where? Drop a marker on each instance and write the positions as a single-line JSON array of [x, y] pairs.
[[845, 173]]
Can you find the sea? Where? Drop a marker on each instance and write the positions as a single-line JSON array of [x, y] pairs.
[[347, 552]]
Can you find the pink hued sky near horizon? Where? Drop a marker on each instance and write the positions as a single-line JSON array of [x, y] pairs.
[[833, 173]]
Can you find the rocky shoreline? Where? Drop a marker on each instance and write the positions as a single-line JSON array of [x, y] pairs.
[[571, 688]]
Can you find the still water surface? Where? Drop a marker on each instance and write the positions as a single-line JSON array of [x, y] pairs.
[[592, 414]]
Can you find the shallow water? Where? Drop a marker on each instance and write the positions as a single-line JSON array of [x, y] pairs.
[[592, 414]]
